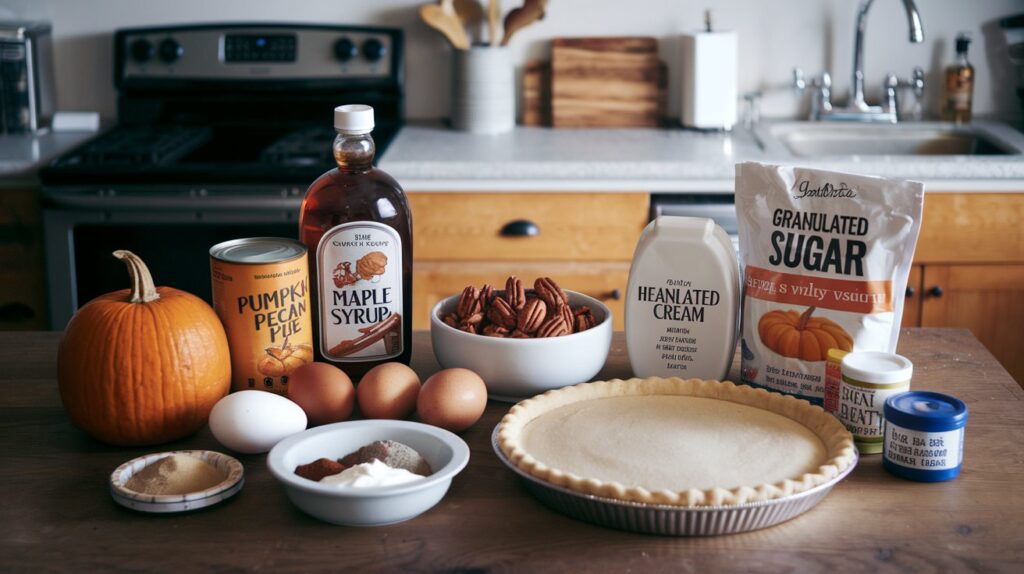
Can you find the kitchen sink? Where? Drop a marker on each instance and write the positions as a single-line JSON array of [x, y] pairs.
[[818, 139]]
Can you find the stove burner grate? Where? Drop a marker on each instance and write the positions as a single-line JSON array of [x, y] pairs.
[[145, 145], [308, 146]]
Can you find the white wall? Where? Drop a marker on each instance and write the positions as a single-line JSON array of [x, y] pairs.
[[774, 35]]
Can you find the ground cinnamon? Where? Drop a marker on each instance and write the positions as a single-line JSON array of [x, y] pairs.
[[176, 474]]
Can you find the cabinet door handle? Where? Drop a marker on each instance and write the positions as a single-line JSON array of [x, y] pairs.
[[520, 228], [936, 291], [910, 292], [614, 295]]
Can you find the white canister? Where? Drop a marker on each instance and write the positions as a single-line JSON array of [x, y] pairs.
[[483, 91], [682, 300]]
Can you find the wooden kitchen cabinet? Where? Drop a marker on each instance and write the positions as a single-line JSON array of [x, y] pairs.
[[987, 299], [912, 301], [22, 280], [969, 271], [585, 241]]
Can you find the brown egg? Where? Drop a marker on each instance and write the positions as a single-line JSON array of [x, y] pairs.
[[323, 391], [388, 391], [452, 399]]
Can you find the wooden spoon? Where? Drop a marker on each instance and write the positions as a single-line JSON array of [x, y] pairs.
[[470, 12], [493, 19], [519, 18], [442, 18]]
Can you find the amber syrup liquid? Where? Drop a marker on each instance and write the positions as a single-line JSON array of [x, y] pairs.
[[356, 191]]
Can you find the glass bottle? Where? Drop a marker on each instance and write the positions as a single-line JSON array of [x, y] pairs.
[[355, 222], [959, 84]]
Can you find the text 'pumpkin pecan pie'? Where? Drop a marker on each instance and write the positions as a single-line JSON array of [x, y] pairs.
[[675, 442]]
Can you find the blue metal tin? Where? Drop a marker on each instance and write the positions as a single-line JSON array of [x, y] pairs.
[[924, 434]]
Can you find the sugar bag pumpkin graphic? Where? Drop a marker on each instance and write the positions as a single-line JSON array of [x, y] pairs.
[[801, 336]]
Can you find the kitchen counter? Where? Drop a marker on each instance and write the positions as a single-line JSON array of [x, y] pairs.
[[21, 154], [58, 514], [431, 157]]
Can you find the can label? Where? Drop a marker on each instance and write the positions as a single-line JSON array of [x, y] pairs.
[[924, 450], [265, 311], [359, 270], [861, 410]]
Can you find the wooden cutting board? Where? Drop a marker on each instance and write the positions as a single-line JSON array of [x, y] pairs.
[[607, 82], [536, 109]]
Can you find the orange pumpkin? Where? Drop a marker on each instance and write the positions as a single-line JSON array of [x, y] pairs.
[[144, 365], [800, 336]]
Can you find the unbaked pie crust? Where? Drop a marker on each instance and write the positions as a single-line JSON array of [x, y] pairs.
[[676, 442]]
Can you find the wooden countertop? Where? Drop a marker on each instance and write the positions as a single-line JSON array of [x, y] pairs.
[[57, 513]]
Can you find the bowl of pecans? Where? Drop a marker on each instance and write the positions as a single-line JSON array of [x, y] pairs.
[[522, 341]]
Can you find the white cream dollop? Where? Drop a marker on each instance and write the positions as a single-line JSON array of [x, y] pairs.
[[373, 473]]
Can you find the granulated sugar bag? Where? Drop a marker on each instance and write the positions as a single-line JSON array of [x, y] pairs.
[[825, 258]]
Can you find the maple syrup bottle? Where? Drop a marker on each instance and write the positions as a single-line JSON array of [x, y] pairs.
[[356, 224], [960, 84]]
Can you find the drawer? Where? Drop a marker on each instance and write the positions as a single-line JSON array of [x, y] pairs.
[[433, 281], [569, 226], [971, 228]]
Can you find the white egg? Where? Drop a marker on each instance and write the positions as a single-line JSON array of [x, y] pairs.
[[252, 422]]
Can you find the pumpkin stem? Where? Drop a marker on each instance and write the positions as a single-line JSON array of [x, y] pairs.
[[143, 289], [804, 318]]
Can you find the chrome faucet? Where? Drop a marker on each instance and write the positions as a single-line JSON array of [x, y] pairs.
[[858, 109]]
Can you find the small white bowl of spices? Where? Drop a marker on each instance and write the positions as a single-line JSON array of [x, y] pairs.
[[176, 481]]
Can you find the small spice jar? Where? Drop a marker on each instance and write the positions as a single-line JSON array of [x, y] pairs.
[[924, 436], [869, 378], [833, 378]]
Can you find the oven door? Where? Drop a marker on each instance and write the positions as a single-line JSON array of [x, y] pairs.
[[172, 232]]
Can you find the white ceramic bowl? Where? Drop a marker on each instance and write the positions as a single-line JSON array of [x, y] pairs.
[[515, 369], [373, 506]]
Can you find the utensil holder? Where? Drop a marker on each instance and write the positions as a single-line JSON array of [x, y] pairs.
[[483, 94]]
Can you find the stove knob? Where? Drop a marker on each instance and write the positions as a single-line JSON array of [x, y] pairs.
[[373, 50], [345, 50], [170, 50], [142, 51]]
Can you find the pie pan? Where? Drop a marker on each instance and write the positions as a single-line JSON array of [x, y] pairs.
[[671, 520], [169, 503]]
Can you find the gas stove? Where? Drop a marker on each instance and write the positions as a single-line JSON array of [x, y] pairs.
[[204, 154], [221, 128]]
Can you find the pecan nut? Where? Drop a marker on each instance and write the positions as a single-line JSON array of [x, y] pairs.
[[532, 316], [469, 303], [452, 320], [584, 318], [553, 327], [517, 334], [565, 312], [515, 294], [550, 292], [486, 295], [501, 313], [495, 331]]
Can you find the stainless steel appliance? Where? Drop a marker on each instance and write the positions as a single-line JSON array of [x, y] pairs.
[[26, 76], [221, 130], [719, 207]]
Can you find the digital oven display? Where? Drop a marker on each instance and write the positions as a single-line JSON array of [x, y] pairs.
[[259, 48]]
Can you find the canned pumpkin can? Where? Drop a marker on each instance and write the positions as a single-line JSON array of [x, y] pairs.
[[261, 294]]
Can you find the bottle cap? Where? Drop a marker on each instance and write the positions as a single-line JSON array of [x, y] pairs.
[[963, 40], [877, 367], [925, 411], [353, 119]]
